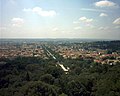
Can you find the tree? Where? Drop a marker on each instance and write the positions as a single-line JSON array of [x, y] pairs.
[[47, 78], [75, 88], [27, 77], [54, 71], [37, 88]]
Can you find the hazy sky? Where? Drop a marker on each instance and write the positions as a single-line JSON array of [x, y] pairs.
[[60, 19]]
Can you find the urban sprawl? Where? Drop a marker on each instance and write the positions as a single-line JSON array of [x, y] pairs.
[[82, 51]]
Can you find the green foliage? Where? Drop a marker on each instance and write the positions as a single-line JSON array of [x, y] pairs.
[[47, 78], [54, 71], [37, 88], [62, 94], [75, 88], [27, 77], [44, 78]]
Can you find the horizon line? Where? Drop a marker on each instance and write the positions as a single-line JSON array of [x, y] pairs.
[[56, 38]]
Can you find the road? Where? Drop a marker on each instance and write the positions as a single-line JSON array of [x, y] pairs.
[[61, 65]]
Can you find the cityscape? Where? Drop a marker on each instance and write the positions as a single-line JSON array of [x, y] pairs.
[[43, 49]]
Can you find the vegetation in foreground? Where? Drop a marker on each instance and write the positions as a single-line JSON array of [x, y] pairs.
[[37, 77]]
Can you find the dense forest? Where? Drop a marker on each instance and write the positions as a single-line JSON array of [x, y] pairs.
[[31, 76]]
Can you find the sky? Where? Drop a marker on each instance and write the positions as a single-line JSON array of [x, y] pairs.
[[93, 19]]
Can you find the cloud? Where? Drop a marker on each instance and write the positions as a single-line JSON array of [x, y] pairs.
[[90, 26], [27, 10], [55, 29], [41, 12], [17, 22], [117, 27], [105, 3], [77, 28], [2, 28], [76, 22], [103, 15], [86, 20], [117, 21], [103, 28], [93, 10]]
